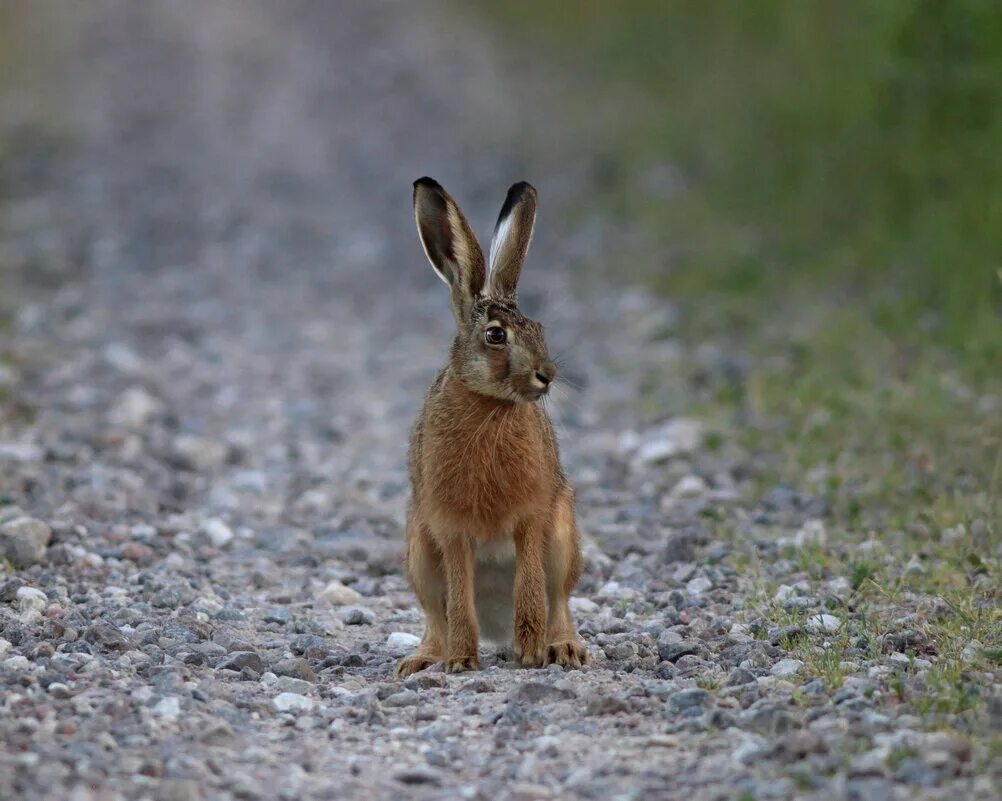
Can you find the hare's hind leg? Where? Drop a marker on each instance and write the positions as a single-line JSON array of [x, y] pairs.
[[427, 577], [563, 569]]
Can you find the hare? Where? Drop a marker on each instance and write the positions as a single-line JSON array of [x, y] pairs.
[[491, 538]]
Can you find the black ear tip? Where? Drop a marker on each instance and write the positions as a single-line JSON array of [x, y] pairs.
[[428, 183], [518, 193], [519, 190]]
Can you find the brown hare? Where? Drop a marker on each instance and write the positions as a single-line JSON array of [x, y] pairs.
[[492, 543]]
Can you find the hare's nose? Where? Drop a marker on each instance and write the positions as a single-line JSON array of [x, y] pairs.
[[546, 373]]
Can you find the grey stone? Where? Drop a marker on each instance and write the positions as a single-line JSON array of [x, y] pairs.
[[691, 698], [534, 692], [238, 660], [23, 541]]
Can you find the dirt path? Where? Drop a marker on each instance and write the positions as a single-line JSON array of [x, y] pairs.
[[222, 330]]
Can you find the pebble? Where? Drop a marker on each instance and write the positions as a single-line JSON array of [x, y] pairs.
[[218, 533], [357, 616], [402, 698], [134, 408], [401, 643], [674, 438], [292, 702], [340, 594], [31, 602], [24, 540], [688, 699], [698, 585], [168, 708], [787, 667], [823, 622], [238, 660]]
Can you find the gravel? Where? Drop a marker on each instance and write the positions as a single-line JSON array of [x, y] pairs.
[[223, 329]]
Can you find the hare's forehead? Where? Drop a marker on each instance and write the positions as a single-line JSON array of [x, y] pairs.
[[505, 312]]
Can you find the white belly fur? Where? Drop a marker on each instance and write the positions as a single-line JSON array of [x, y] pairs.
[[493, 588]]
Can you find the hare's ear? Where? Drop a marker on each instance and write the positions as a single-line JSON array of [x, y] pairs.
[[512, 235], [449, 243]]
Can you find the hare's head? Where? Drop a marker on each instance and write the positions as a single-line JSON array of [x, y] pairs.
[[497, 351]]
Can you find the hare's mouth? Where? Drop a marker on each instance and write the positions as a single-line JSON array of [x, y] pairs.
[[530, 389]]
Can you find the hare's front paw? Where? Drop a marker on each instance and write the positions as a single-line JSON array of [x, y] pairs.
[[531, 652], [414, 663], [459, 664], [567, 653]]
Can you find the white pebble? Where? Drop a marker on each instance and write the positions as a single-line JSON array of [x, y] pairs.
[[698, 585], [583, 605], [168, 708], [217, 531], [784, 592], [292, 702], [401, 643], [828, 623], [787, 667]]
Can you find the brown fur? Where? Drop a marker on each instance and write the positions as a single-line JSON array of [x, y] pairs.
[[484, 464]]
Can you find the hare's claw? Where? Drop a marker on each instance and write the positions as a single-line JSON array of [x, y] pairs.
[[414, 663], [459, 664], [569, 653]]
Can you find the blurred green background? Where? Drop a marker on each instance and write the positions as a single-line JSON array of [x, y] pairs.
[[846, 146], [827, 199]]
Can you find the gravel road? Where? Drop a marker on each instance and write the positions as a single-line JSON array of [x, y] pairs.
[[222, 328]]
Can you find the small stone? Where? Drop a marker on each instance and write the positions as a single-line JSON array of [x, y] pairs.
[[5, 647], [672, 651], [826, 623], [787, 667], [403, 698], [784, 593], [418, 776], [621, 651], [107, 635], [296, 668], [31, 602], [583, 605], [915, 567], [535, 692], [168, 708], [401, 643], [134, 408], [218, 533], [689, 486], [238, 660], [292, 702], [357, 616], [698, 585], [287, 684], [340, 594], [606, 705], [199, 453], [139, 553], [973, 652], [811, 533], [690, 698], [674, 438], [23, 541], [739, 677]]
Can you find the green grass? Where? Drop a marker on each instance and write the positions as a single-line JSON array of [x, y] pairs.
[[832, 217]]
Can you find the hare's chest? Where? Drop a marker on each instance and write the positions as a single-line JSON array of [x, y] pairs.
[[489, 480]]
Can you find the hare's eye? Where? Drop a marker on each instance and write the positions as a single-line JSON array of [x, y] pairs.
[[495, 335]]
